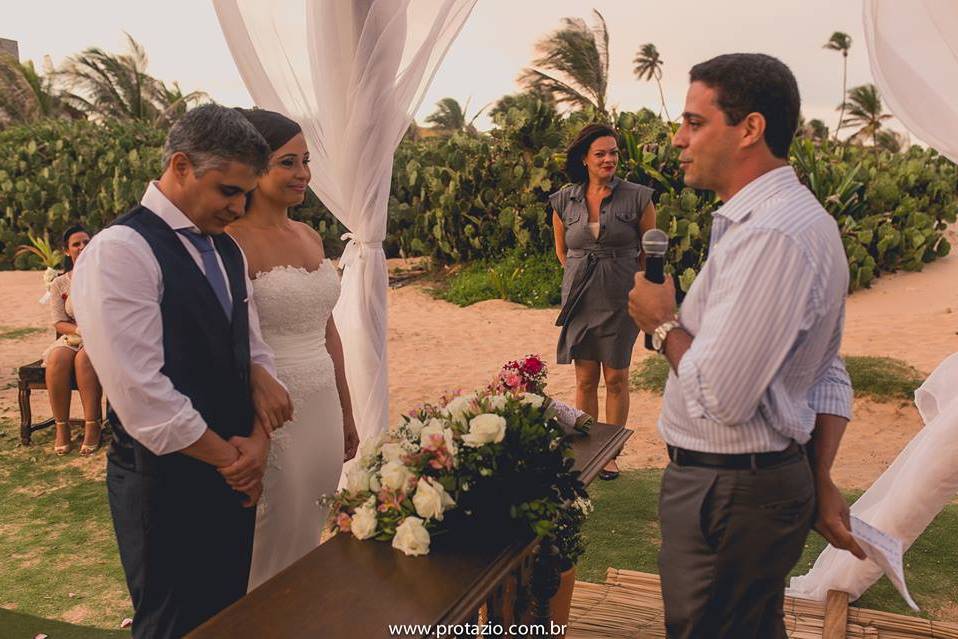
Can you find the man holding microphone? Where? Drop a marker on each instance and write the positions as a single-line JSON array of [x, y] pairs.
[[757, 399]]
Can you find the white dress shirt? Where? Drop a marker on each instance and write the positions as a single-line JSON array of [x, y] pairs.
[[766, 311], [116, 292]]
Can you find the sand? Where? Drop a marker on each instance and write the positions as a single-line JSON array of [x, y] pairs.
[[435, 346]]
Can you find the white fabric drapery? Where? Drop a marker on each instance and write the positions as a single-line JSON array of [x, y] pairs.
[[908, 495], [352, 73], [913, 50]]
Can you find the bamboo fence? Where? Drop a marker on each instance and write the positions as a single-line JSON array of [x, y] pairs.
[[629, 606]]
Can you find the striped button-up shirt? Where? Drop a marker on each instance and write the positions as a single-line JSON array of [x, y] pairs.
[[766, 313]]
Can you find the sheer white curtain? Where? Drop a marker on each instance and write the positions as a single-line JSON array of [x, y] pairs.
[[921, 481], [913, 49], [352, 73]]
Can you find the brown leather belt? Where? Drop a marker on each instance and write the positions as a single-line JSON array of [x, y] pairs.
[[740, 461]]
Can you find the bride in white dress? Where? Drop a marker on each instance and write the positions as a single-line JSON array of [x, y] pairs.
[[295, 289]]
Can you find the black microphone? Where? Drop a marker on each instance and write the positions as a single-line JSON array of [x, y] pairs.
[[655, 244]]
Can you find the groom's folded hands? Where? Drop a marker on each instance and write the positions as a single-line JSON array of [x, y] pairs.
[[245, 475], [270, 400]]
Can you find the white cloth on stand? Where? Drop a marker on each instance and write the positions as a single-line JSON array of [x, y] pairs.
[[351, 73], [921, 481], [913, 50]]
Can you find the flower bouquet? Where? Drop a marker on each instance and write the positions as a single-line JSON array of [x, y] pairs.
[[497, 454]]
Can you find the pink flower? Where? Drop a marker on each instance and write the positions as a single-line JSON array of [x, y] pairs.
[[442, 459], [389, 500], [343, 521]]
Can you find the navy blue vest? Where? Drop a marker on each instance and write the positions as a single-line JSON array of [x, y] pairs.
[[206, 355]]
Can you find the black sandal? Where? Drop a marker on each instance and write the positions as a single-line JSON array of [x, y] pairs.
[[608, 475]]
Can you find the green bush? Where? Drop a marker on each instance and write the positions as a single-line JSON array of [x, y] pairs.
[[467, 197], [534, 280], [61, 172]]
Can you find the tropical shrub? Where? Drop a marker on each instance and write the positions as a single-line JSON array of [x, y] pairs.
[[471, 197], [61, 172], [534, 280]]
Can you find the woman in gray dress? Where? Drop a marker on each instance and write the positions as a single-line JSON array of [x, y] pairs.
[[599, 220]]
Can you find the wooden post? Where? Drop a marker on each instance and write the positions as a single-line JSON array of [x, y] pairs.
[[836, 615]]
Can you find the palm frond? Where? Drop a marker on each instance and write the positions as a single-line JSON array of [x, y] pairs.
[[572, 64]]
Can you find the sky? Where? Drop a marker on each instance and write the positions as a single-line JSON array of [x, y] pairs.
[[184, 43]]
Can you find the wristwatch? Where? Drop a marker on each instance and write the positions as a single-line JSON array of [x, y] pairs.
[[660, 333]]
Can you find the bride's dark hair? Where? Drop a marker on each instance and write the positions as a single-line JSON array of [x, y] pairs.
[[275, 128]]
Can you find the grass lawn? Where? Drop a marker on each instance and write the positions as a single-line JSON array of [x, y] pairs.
[[623, 532], [7, 332], [880, 378], [56, 538]]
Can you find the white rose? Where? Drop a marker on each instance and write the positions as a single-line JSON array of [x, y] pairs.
[[369, 449], [412, 537], [357, 479], [414, 426], [434, 427], [395, 475], [374, 484], [533, 400], [484, 429], [458, 407], [392, 451], [364, 521], [497, 402], [431, 499]]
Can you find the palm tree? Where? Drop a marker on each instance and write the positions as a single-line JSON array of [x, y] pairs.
[[648, 66], [841, 42], [573, 65], [26, 95], [173, 103], [108, 85], [865, 111], [451, 116], [817, 130], [892, 141]]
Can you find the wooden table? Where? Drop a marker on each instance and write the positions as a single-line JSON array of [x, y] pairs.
[[350, 589]]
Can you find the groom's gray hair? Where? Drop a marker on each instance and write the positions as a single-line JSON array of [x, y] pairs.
[[212, 135]]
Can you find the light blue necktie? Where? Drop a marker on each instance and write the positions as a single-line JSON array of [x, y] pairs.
[[204, 244]]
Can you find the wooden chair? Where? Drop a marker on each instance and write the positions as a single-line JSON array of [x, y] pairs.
[[31, 377]]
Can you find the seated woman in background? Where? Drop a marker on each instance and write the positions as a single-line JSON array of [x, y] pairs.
[[66, 357]]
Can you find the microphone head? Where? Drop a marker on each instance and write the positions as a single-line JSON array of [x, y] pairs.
[[655, 242]]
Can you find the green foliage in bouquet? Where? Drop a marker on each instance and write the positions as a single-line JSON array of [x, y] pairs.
[[567, 534], [499, 459]]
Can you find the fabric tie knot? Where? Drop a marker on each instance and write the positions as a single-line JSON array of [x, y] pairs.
[[356, 249]]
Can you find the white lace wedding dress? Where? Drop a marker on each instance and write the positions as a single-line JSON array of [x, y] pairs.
[[306, 455]]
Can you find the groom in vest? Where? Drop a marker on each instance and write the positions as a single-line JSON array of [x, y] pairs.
[[163, 299]]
